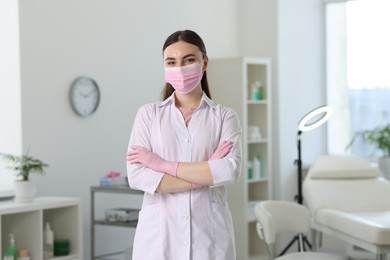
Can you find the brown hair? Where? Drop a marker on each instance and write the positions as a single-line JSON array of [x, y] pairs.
[[192, 38]]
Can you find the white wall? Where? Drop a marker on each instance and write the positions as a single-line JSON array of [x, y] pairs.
[[118, 43], [301, 86], [259, 37]]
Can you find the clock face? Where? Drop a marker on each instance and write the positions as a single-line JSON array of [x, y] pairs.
[[84, 96]]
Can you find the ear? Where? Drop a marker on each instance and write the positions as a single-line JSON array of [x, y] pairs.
[[205, 63]]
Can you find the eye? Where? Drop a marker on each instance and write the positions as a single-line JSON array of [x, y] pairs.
[[189, 60], [170, 63]]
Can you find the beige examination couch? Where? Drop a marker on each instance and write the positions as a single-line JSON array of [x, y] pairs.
[[350, 199]]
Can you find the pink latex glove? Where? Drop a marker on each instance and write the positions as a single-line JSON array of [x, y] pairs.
[[222, 150], [139, 154], [195, 186]]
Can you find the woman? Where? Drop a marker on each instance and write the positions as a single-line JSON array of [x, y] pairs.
[[182, 153]]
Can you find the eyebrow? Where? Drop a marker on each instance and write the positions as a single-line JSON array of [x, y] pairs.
[[184, 57]]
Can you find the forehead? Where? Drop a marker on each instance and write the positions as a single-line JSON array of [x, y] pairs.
[[180, 49]]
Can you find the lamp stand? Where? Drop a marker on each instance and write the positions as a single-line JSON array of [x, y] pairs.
[[306, 125], [298, 162], [300, 238]]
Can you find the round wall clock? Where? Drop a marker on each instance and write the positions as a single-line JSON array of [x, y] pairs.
[[84, 96]]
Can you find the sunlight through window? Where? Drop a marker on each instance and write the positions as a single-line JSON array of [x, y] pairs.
[[357, 72]]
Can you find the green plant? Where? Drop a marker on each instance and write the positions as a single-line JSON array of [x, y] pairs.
[[379, 136], [24, 165]]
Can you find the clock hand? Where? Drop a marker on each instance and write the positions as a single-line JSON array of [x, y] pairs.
[[89, 93]]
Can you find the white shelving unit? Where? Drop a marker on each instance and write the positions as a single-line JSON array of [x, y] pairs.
[[230, 82], [26, 221], [102, 222]]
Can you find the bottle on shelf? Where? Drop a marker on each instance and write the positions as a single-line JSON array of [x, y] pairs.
[[23, 254], [12, 252], [250, 170], [254, 133], [257, 90], [257, 167], [48, 243], [7, 256]]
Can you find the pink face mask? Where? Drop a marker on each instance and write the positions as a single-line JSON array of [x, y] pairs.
[[184, 79]]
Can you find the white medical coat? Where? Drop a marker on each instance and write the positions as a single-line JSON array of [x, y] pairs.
[[196, 224]]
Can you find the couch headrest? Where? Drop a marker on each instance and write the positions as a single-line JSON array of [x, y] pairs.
[[342, 167]]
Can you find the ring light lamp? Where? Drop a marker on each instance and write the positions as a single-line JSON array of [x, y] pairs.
[[304, 127]]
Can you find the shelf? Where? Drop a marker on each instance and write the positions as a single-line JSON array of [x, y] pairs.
[[26, 221], [109, 256], [10, 206], [257, 180], [67, 257], [257, 102], [253, 114], [116, 189], [102, 222], [261, 141], [132, 224]]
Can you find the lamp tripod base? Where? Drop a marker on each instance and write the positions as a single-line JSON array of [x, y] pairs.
[[300, 238], [302, 241]]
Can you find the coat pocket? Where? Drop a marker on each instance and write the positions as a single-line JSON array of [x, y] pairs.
[[223, 232], [147, 240]]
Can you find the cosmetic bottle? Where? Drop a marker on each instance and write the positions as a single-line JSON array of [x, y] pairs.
[[23, 254], [12, 246], [250, 170], [257, 168], [48, 243], [256, 90], [7, 256]]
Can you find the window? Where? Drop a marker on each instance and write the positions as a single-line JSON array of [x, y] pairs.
[[10, 93], [357, 71]]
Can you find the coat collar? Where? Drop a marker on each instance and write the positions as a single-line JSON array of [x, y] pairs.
[[204, 100]]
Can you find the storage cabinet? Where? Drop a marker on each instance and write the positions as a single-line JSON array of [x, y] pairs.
[[231, 81], [103, 222], [26, 221]]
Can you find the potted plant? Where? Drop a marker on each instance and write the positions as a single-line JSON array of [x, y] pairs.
[[23, 166], [380, 137]]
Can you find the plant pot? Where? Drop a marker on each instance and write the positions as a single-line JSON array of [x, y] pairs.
[[384, 166], [24, 191]]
